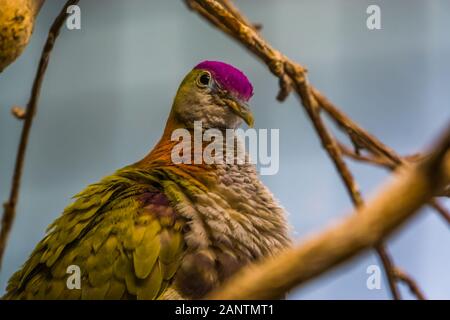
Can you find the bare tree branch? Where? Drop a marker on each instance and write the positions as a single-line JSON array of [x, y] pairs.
[[389, 164], [292, 76], [229, 5], [417, 184], [390, 159], [413, 288], [369, 225], [10, 206]]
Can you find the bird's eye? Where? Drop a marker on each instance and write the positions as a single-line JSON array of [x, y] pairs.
[[204, 79]]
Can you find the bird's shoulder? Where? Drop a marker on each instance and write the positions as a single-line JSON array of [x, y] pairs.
[[122, 233]]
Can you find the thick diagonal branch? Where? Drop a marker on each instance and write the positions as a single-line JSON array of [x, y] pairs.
[[291, 76], [369, 225]]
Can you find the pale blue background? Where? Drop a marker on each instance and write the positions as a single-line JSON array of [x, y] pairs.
[[109, 88]]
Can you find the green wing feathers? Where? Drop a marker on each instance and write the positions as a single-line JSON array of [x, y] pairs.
[[122, 233]]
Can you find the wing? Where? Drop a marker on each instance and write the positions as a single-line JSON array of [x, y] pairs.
[[122, 233]]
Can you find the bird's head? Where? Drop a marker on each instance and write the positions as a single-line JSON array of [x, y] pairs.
[[215, 93]]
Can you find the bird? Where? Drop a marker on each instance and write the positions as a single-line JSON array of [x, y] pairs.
[[156, 229]]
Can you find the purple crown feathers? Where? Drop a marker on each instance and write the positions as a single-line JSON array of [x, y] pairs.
[[229, 78]]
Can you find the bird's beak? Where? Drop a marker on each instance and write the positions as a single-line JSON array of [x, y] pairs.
[[241, 109]]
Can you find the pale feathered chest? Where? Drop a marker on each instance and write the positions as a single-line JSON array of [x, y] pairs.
[[233, 223]]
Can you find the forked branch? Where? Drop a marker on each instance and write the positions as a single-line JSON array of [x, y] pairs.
[[292, 77], [369, 225]]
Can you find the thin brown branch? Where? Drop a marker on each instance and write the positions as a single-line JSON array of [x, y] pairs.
[[229, 5], [441, 210], [415, 290], [376, 160], [369, 225], [10, 206], [389, 269], [192, 5], [368, 141], [392, 165], [293, 76], [390, 159]]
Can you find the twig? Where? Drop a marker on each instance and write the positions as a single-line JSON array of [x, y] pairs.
[[441, 210], [293, 76], [376, 160], [11, 204], [411, 284], [369, 225], [391, 165], [229, 5], [391, 159], [390, 270], [368, 141]]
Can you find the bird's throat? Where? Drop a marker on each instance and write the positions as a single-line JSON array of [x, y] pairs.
[[199, 147]]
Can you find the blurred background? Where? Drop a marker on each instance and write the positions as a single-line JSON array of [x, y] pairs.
[[109, 88]]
